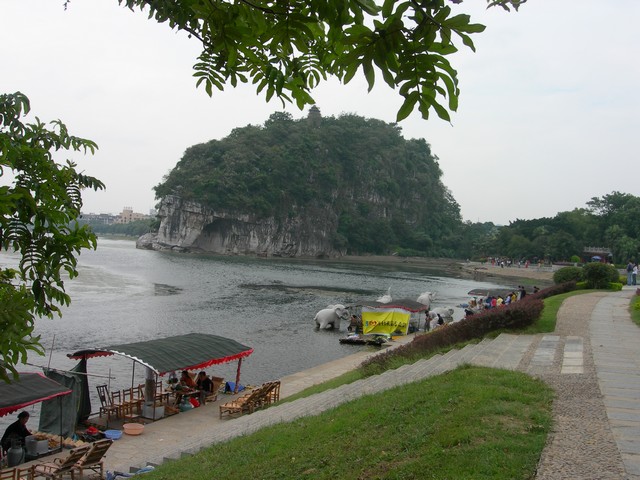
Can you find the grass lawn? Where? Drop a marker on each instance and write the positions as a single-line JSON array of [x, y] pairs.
[[634, 309], [471, 423]]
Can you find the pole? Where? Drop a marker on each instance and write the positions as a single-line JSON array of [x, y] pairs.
[[51, 351], [235, 389]]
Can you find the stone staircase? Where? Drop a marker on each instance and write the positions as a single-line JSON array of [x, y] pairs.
[[507, 351]]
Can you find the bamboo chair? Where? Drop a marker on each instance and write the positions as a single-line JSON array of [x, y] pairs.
[[216, 384], [16, 474], [8, 474], [24, 473], [244, 404], [272, 394], [94, 459], [61, 466], [107, 406]]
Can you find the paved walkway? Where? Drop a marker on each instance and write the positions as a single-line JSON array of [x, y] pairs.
[[615, 343], [601, 339]]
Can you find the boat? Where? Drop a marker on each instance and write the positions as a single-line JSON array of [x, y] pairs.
[[357, 339]]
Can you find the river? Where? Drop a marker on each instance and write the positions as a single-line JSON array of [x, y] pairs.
[[126, 295]]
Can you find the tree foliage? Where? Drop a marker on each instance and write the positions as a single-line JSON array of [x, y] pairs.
[[287, 48], [612, 221], [385, 191], [40, 201]]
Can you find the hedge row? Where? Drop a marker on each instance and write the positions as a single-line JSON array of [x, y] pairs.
[[515, 316]]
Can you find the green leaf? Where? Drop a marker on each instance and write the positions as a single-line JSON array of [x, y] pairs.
[[408, 106], [369, 74]]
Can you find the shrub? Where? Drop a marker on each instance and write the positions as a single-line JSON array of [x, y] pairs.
[[599, 275], [554, 290], [568, 274], [575, 259], [615, 286], [581, 285]]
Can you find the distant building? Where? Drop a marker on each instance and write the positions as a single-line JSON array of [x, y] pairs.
[[128, 215], [597, 254], [101, 218]]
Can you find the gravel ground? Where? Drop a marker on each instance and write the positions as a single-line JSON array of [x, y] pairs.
[[581, 444]]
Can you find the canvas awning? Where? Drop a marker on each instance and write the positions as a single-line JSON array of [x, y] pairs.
[[30, 388], [401, 303], [192, 351]]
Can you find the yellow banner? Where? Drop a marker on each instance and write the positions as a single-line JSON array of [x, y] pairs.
[[385, 321]]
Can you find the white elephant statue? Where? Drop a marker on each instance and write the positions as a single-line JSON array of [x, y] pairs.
[[426, 298], [330, 317], [444, 312]]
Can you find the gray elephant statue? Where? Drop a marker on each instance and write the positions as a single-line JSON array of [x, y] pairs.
[[331, 316]]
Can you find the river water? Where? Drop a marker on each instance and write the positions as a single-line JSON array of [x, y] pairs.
[[127, 295]]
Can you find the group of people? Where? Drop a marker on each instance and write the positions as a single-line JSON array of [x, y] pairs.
[[493, 301], [202, 383], [632, 272]]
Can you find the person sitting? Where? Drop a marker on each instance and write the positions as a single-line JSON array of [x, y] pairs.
[[16, 431], [205, 385], [186, 380]]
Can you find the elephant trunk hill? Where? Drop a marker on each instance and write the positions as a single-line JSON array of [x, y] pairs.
[[313, 187]]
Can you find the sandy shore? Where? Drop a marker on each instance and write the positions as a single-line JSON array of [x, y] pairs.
[[455, 268]]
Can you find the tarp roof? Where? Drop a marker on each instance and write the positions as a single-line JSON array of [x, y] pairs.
[[30, 388], [493, 292], [183, 352], [402, 303]]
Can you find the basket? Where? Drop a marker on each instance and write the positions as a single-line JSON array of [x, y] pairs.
[[113, 434], [133, 428]]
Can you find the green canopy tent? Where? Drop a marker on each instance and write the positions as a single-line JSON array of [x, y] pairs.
[[193, 351]]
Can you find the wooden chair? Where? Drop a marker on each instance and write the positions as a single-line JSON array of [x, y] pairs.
[[244, 404], [61, 466], [94, 459], [272, 394], [16, 474], [107, 406], [117, 400], [9, 474], [132, 405], [24, 473], [215, 388]]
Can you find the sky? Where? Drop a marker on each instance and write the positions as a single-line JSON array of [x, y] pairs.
[[549, 110]]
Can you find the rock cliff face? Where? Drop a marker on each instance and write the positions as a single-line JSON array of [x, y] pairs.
[[190, 227]]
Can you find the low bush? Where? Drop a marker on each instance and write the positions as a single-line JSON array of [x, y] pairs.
[[581, 285], [568, 274], [615, 286], [599, 275], [554, 290]]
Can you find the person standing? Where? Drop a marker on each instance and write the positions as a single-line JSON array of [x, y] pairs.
[[629, 272], [634, 274], [16, 431]]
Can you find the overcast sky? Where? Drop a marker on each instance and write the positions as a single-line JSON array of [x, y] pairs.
[[548, 118]]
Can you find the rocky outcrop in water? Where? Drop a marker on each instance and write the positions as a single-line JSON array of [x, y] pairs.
[[187, 226]]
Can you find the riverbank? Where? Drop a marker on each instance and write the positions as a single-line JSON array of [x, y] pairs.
[[534, 275]]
